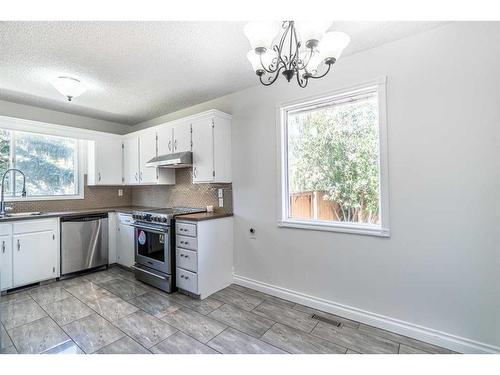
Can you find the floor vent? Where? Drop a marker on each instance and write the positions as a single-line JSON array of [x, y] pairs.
[[326, 320]]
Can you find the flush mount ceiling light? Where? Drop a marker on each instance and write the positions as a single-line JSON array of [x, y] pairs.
[[68, 86], [304, 50]]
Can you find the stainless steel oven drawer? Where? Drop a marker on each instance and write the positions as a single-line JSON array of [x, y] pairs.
[[189, 243], [185, 229], [187, 280], [187, 259], [153, 277]]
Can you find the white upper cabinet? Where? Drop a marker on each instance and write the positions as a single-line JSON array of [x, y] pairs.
[[104, 161], [173, 138], [131, 160], [212, 148], [203, 150], [182, 137], [114, 160], [165, 139], [147, 151], [138, 149]]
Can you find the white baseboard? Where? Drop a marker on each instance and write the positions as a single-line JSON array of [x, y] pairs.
[[431, 336]]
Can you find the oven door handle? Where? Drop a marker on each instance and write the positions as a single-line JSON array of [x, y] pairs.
[[148, 228], [149, 273]]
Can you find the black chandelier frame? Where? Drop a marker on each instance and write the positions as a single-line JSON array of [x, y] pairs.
[[290, 65]]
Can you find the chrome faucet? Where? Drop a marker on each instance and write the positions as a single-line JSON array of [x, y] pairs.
[[23, 194]]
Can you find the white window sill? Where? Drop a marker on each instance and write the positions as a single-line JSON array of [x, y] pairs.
[[367, 230], [44, 198]]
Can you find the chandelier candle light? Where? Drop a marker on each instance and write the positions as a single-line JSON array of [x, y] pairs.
[[300, 52]]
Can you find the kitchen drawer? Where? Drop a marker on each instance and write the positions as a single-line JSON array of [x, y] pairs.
[[125, 218], [187, 280], [5, 229], [187, 259], [185, 229], [29, 226], [190, 243]]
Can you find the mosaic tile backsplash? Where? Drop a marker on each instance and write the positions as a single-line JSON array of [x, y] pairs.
[[183, 193], [94, 197]]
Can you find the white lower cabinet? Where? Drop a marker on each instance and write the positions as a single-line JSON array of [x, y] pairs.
[[204, 255], [125, 249], [34, 258], [29, 252], [5, 256]]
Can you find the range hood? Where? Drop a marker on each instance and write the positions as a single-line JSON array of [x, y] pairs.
[[177, 160]]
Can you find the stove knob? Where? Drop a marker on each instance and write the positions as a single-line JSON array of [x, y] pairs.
[[163, 219]]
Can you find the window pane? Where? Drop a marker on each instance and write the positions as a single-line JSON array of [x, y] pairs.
[[333, 163], [48, 162], [5, 158]]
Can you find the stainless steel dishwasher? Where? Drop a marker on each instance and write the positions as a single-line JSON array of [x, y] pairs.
[[84, 242]]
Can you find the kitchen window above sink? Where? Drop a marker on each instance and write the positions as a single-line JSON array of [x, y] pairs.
[[50, 163]]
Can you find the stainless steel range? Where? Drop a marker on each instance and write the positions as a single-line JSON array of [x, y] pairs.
[[155, 245]]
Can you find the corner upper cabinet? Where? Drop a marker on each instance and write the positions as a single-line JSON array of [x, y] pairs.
[[211, 135], [104, 161]]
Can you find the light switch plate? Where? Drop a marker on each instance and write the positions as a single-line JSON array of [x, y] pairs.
[[220, 193], [120, 192], [221, 202]]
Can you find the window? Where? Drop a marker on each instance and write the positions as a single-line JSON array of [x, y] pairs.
[[50, 164], [333, 162]]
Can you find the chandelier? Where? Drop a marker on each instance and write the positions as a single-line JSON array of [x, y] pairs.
[[303, 50]]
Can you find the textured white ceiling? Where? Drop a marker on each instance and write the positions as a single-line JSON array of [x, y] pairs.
[[135, 71]]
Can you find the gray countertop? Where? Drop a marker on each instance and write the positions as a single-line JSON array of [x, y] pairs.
[[201, 216], [125, 209]]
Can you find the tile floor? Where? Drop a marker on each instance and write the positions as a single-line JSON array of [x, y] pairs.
[[110, 312]]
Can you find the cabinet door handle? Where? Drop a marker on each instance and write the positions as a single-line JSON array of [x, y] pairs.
[[169, 145], [136, 178], [99, 176], [194, 171], [3, 247], [175, 145], [140, 176], [18, 245]]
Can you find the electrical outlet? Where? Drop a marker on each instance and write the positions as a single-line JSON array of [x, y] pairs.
[[221, 202], [220, 193], [120, 192]]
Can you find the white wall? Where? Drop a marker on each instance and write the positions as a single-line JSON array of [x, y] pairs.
[[28, 112], [441, 267]]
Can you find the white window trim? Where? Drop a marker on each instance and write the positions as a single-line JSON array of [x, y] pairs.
[[29, 126], [382, 230]]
